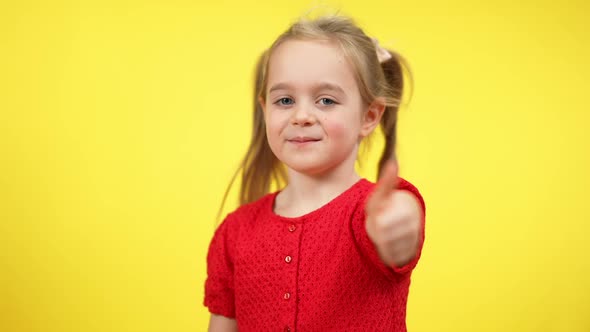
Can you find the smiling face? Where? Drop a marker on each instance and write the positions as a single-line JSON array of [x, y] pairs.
[[314, 113]]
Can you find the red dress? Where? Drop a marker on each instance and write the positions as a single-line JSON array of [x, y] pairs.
[[317, 272]]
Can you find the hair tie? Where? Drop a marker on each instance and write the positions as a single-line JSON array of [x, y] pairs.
[[382, 54]]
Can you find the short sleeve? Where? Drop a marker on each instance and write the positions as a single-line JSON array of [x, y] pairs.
[[368, 247], [219, 286]]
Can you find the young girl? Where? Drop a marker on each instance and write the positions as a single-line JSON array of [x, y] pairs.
[[330, 251]]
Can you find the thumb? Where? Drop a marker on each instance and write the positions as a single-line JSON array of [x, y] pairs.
[[386, 184]]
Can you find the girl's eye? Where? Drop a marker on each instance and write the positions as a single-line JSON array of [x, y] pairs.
[[327, 101], [285, 101]]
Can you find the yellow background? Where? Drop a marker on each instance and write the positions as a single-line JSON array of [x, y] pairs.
[[121, 123]]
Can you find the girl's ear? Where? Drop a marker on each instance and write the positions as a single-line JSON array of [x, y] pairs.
[[372, 116], [262, 104]]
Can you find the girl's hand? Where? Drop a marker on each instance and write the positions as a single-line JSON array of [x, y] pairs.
[[393, 219]]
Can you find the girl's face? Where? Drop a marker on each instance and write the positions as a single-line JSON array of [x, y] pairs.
[[314, 113]]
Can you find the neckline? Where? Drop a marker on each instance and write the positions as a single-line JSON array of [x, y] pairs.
[[311, 214]]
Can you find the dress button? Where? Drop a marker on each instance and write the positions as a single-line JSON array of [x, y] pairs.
[[292, 228], [287, 329], [288, 259], [287, 296]]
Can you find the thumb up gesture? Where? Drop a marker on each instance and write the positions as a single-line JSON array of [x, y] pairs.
[[393, 219]]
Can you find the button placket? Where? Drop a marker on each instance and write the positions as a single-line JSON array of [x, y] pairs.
[[291, 236]]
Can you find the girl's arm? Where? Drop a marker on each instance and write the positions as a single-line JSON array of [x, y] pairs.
[[220, 323]]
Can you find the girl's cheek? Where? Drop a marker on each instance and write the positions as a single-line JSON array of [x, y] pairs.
[[274, 127], [336, 129]]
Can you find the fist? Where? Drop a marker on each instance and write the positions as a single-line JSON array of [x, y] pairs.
[[393, 219]]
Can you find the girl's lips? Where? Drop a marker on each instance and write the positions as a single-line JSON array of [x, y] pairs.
[[301, 141]]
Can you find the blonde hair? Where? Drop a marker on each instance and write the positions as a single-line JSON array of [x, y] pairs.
[[260, 167]]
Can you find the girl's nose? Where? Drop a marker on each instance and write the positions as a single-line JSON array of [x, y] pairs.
[[303, 116]]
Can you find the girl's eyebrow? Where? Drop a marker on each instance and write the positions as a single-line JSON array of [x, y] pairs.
[[317, 87], [279, 86], [330, 87]]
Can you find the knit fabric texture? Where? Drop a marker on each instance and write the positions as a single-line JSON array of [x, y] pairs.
[[317, 272]]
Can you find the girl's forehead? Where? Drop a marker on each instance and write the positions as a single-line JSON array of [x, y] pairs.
[[297, 62], [291, 49]]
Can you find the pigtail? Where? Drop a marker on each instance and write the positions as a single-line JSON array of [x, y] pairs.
[[393, 70], [259, 167]]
